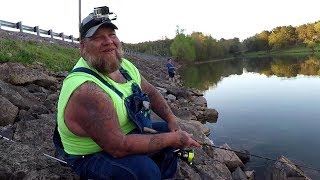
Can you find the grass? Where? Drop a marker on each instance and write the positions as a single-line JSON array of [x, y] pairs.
[[299, 50], [55, 57]]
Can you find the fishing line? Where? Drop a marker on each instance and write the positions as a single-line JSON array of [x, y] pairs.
[[203, 144], [261, 157], [149, 130], [47, 155]]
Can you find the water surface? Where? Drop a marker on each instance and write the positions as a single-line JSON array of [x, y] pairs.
[[268, 106]]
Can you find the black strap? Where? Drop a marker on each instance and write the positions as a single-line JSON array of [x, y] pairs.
[[125, 74], [89, 71]]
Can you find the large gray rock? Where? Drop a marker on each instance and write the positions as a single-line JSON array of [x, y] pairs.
[[284, 169], [24, 158], [207, 115], [228, 157], [18, 74], [238, 174], [18, 96], [8, 111], [21, 161], [184, 171], [178, 92], [204, 165], [200, 101]]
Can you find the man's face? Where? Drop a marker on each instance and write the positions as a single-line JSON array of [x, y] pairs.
[[102, 51]]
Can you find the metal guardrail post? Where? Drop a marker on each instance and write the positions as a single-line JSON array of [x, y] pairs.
[[50, 33], [19, 26], [71, 37], [36, 29], [0, 24], [62, 36]]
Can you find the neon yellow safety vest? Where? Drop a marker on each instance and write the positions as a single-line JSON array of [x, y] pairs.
[[77, 145]]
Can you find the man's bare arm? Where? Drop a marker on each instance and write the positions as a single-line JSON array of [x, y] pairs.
[[158, 103], [90, 112]]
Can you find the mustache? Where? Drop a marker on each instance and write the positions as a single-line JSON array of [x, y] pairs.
[[105, 65]]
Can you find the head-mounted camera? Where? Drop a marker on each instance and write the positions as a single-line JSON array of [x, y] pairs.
[[100, 16], [103, 13]]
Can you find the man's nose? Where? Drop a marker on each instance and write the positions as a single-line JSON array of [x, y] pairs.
[[107, 40]]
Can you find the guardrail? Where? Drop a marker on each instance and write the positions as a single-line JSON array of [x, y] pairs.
[[37, 30]]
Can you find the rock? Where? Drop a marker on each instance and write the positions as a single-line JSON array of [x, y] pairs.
[[21, 161], [238, 174], [162, 90], [25, 115], [196, 92], [213, 170], [8, 111], [183, 113], [18, 96], [171, 98], [200, 101], [36, 110], [205, 166], [178, 92], [62, 74], [228, 157], [7, 131], [244, 155], [17, 74], [185, 171], [284, 169], [204, 129], [250, 174], [211, 115]]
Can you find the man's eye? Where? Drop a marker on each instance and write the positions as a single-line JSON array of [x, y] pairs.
[[97, 38]]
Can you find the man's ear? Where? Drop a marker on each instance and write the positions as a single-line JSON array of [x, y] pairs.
[[81, 44]]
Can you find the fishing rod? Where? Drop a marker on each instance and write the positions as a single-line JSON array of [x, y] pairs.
[[261, 157], [191, 153], [188, 155]]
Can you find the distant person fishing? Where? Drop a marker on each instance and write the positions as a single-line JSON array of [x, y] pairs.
[[171, 70]]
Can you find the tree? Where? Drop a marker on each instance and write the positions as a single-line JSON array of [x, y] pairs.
[[263, 41], [317, 30], [306, 32], [183, 48], [214, 49], [199, 44], [282, 36]]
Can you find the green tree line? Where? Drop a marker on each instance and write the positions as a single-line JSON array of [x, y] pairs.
[[203, 76], [285, 36], [202, 47], [194, 47]]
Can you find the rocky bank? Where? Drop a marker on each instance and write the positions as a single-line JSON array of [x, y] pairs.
[[28, 99]]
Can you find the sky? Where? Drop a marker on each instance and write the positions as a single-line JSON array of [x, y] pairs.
[[150, 20]]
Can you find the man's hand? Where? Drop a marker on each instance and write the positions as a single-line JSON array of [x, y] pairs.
[[185, 140]]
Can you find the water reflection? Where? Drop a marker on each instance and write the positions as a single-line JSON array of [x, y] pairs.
[[205, 76], [269, 106]]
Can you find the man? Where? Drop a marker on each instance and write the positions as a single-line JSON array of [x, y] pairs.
[[171, 70], [99, 132]]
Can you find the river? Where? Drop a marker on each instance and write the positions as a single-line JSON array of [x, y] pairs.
[[268, 106]]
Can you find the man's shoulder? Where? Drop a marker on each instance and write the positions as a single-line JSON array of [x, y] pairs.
[[126, 63]]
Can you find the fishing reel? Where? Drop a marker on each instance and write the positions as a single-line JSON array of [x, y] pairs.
[[185, 155]]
